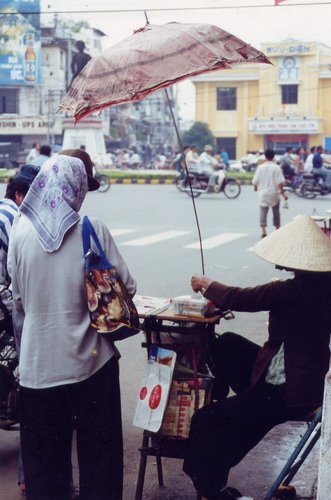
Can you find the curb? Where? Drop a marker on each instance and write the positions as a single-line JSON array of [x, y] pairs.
[[133, 180], [158, 181], [142, 181]]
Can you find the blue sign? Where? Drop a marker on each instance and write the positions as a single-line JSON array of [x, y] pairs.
[[20, 45]]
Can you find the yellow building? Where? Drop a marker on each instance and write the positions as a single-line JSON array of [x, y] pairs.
[[258, 106]]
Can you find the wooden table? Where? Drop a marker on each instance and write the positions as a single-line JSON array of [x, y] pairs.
[[162, 326]]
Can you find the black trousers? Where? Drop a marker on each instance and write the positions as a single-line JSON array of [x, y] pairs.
[[223, 433], [48, 417]]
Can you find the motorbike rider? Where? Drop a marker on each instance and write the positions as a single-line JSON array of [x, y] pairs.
[[206, 166], [320, 169], [179, 161], [287, 164]]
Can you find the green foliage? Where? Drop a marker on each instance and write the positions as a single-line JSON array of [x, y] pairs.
[[79, 25], [198, 135]]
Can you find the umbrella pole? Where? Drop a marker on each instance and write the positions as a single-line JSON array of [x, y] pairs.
[[189, 181]]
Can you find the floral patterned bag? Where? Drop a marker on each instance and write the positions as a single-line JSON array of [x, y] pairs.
[[112, 311]]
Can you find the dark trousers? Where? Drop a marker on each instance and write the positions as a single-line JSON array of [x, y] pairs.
[[48, 417], [223, 433]]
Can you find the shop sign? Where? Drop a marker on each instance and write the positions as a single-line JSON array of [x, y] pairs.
[[283, 126], [23, 126]]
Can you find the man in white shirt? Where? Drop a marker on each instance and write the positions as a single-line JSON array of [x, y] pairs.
[[309, 160], [207, 165], [192, 157], [33, 153], [269, 181]]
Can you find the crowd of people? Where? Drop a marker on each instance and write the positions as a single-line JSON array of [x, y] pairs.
[[69, 374]]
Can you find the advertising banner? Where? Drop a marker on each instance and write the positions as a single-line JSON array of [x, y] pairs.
[[20, 44]]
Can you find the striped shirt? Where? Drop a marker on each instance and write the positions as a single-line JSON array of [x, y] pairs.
[[8, 210]]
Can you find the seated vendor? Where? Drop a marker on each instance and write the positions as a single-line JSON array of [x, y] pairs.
[[284, 379]]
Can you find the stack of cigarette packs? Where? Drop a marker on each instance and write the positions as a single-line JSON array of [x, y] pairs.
[[181, 406]]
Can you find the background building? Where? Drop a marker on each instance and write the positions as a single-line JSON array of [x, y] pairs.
[[251, 107], [35, 73]]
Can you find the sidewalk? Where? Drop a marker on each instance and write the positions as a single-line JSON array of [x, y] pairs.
[[253, 476]]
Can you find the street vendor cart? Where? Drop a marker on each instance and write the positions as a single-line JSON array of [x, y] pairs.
[[191, 384]]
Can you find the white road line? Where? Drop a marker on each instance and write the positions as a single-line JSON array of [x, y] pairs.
[[119, 232], [155, 238], [216, 241]]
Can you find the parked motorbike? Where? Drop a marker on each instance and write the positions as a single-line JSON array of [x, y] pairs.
[[312, 186], [229, 186], [9, 383]]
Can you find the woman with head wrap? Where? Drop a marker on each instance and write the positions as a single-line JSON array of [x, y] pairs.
[[66, 369]]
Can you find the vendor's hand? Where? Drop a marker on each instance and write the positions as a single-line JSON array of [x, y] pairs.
[[328, 376], [200, 283]]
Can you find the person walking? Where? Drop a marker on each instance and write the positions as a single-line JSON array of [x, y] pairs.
[[280, 381], [268, 181], [69, 374], [33, 153], [45, 153]]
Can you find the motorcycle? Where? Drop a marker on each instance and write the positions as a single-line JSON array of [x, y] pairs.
[[312, 186], [199, 183], [9, 383], [293, 184]]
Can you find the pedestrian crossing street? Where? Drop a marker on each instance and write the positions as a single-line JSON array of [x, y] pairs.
[[125, 237]]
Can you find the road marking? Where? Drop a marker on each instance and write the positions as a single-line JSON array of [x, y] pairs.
[[155, 238], [119, 232], [216, 241]]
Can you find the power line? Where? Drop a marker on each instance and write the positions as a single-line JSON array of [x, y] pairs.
[[167, 9]]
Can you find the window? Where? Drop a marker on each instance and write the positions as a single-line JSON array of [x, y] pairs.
[[8, 101], [289, 94], [226, 98], [229, 144]]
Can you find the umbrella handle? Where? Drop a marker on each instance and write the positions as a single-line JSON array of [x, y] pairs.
[[189, 181]]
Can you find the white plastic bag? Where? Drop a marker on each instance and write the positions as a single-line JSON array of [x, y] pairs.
[[154, 389]]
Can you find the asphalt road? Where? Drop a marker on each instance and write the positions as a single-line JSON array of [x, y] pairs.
[[155, 229]]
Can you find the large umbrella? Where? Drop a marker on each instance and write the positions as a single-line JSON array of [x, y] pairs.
[[153, 58]]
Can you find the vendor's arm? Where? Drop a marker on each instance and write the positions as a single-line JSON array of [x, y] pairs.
[[259, 298]]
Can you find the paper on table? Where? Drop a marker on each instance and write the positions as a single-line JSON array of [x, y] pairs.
[[148, 305]]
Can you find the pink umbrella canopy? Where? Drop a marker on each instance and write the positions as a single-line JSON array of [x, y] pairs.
[[151, 59]]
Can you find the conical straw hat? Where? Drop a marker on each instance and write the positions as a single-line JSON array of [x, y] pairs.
[[300, 244]]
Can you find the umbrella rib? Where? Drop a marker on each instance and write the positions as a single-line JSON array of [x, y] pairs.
[[189, 181]]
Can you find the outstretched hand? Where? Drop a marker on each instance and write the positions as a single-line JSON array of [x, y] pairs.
[[200, 283]]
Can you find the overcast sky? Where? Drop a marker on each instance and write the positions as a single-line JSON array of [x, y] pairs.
[[254, 21]]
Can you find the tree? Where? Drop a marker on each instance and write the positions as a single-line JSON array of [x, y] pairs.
[[198, 135], [79, 25]]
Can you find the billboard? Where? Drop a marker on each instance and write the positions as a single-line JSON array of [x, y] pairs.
[[20, 44]]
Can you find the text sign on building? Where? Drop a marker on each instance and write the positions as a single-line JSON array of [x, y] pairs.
[[288, 70], [293, 48], [20, 45], [283, 126], [15, 126]]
